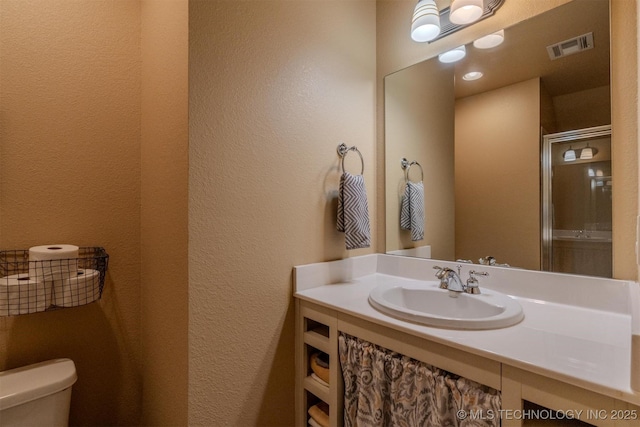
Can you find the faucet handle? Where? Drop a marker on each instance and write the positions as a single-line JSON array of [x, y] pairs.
[[477, 273], [441, 275], [472, 281], [442, 271]]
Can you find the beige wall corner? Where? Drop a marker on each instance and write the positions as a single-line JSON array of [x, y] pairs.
[[164, 273]]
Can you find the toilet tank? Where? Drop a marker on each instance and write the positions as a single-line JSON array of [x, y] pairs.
[[38, 394]]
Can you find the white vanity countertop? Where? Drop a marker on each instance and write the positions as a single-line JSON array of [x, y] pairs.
[[586, 343]]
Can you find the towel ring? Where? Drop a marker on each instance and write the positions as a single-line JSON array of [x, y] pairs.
[[343, 150], [406, 166]]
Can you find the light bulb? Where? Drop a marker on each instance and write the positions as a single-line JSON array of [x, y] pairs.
[[464, 12], [586, 153], [569, 155], [425, 24]]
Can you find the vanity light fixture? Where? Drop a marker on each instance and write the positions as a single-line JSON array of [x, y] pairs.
[[569, 155], [430, 24], [489, 41], [585, 153], [453, 55], [425, 24], [472, 75], [465, 12]]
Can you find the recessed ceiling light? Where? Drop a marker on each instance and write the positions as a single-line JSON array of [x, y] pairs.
[[492, 40], [472, 75], [453, 55]]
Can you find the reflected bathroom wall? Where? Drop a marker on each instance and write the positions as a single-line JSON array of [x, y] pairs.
[[497, 175], [421, 130]]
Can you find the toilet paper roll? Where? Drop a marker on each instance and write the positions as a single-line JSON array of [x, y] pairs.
[[53, 262], [19, 294], [79, 290]]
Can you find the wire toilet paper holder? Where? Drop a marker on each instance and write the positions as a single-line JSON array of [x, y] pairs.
[[58, 283]]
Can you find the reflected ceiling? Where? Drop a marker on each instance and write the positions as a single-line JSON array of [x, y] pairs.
[[523, 55]]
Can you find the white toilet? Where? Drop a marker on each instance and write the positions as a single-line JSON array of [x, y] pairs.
[[38, 394]]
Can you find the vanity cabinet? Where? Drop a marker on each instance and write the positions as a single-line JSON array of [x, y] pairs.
[[318, 328]]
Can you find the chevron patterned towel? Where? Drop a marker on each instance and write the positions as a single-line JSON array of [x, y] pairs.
[[412, 213], [353, 212]]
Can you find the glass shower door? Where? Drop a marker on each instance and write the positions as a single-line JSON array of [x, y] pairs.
[[576, 202]]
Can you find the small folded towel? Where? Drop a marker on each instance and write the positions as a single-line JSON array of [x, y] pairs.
[[319, 380], [319, 365], [320, 414], [412, 212], [313, 423], [353, 211]]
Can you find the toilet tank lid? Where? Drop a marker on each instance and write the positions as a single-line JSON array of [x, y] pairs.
[[27, 383]]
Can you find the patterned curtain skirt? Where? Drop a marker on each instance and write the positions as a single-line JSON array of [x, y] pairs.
[[383, 388]]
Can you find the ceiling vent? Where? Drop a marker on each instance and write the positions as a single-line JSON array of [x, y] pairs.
[[571, 46]]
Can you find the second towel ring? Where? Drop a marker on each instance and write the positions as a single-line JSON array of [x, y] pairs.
[[343, 150], [406, 165]]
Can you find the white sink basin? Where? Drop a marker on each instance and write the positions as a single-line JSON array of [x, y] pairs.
[[429, 305]]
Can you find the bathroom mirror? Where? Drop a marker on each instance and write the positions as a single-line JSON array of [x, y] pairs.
[[478, 142]]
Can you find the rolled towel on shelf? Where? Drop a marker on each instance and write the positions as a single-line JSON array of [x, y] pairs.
[[320, 366], [412, 211], [313, 423], [320, 413], [353, 211], [319, 380]]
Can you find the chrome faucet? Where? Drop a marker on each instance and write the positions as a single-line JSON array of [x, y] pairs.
[[450, 280], [489, 260]]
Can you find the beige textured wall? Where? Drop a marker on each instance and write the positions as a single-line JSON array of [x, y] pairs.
[[274, 87], [624, 136], [583, 109], [70, 173], [164, 232], [419, 115], [499, 127]]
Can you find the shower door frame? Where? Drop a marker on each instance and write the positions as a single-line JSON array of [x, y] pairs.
[[546, 247]]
